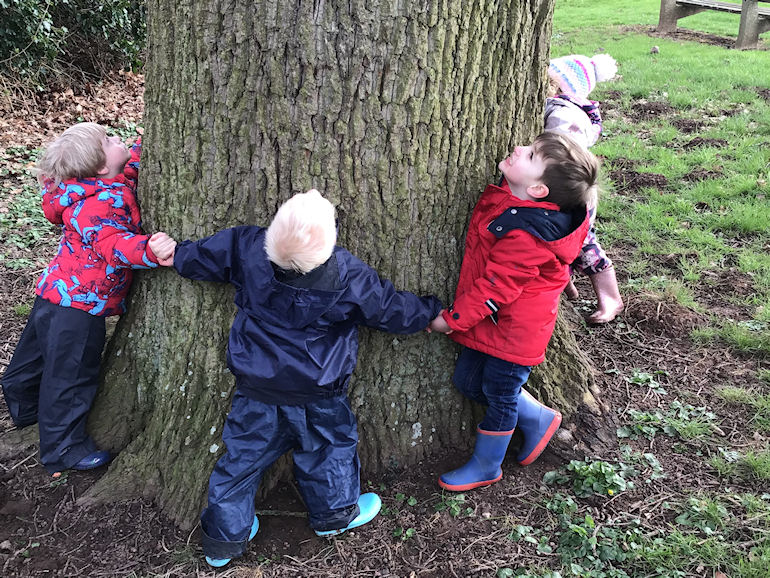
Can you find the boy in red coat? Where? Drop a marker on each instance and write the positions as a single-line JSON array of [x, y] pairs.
[[521, 239], [54, 373]]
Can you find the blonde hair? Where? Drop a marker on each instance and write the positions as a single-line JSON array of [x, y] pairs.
[[303, 233], [76, 153], [553, 88], [571, 171]]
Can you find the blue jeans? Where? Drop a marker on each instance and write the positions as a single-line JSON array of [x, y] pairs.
[[493, 382]]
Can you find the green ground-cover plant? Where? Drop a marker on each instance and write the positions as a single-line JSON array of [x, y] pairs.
[[683, 421], [707, 531], [593, 477], [721, 532], [22, 224], [456, 505]]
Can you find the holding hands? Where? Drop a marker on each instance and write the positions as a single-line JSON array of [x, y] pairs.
[[163, 247], [439, 324]]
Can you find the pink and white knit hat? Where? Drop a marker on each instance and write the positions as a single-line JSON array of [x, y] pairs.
[[577, 75]]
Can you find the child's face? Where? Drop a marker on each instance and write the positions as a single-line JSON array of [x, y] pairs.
[[116, 155], [523, 169]]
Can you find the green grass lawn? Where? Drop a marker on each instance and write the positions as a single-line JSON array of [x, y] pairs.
[[697, 235], [711, 218]]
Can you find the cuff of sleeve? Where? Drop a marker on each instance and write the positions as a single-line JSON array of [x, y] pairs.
[[451, 317], [150, 255]]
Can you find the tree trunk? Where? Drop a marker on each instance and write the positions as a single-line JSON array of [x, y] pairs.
[[398, 112]]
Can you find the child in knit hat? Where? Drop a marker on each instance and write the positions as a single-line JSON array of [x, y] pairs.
[[568, 110]]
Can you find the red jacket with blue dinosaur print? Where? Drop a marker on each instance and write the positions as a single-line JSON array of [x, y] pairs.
[[101, 241], [516, 264]]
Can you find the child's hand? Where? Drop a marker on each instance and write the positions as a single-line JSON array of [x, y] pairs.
[[439, 324], [163, 247]]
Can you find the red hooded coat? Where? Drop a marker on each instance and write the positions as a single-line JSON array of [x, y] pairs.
[[101, 242], [516, 264]]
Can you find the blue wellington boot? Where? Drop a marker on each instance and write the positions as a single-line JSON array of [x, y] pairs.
[[92, 461], [219, 562], [483, 468], [537, 423], [369, 505]]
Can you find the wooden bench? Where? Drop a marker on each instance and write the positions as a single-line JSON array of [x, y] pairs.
[[754, 20]]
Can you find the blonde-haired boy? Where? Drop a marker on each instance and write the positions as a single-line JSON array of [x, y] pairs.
[[54, 373], [293, 347], [302, 234]]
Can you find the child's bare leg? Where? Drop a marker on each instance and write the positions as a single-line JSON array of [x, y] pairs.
[[610, 303], [571, 291]]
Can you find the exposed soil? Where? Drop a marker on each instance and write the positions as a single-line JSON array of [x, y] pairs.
[[44, 532], [701, 175], [645, 110], [630, 181], [687, 125], [682, 34], [699, 142]]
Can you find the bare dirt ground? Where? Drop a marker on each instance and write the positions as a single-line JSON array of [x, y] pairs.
[[43, 532]]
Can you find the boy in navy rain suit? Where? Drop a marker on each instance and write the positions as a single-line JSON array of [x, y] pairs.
[[293, 347]]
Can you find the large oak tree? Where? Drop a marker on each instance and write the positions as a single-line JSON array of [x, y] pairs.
[[398, 111]]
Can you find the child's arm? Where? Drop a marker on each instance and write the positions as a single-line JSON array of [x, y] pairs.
[[131, 171], [382, 307], [513, 262], [121, 249], [56, 200], [215, 258]]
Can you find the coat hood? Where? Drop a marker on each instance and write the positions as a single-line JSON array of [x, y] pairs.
[[560, 231], [282, 300], [58, 199]]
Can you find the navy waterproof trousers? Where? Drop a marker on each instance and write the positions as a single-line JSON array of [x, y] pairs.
[[52, 380], [324, 437]]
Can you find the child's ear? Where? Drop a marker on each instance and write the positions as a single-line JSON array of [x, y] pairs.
[[538, 191], [103, 171]]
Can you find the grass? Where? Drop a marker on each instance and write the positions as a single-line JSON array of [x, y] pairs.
[[705, 224], [684, 241], [694, 235]]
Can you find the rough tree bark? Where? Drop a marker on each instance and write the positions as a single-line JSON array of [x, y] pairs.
[[398, 111]]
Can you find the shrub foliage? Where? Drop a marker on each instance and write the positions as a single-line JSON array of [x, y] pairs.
[[42, 40]]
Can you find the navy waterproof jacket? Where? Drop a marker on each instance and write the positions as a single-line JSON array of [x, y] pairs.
[[295, 337]]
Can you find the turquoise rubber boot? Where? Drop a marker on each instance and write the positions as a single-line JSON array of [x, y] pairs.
[[219, 562], [483, 468], [537, 423], [369, 505]]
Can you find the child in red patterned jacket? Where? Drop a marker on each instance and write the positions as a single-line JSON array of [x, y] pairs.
[[53, 376], [521, 239]]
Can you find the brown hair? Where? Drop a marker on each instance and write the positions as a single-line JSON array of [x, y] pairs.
[[571, 171], [76, 153]]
